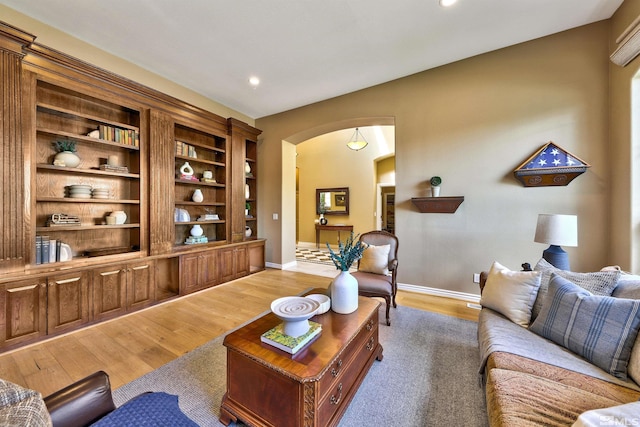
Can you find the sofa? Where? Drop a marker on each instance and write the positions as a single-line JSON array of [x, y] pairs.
[[87, 402], [560, 348]]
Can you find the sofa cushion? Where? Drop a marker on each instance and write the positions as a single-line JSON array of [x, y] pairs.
[[511, 293], [598, 283], [600, 329], [375, 259], [22, 407], [514, 362], [519, 399]]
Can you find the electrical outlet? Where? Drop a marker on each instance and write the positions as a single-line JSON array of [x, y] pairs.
[[275, 216], [476, 277]]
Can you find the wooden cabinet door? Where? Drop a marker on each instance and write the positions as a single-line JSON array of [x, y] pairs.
[[109, 292], [241, 262], [189, 280], [233, 263], [141, 285], [208, 269], [23, 315], [226, 268], [67, 302]]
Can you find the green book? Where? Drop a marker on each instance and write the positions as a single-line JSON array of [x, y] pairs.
[[277, 338]]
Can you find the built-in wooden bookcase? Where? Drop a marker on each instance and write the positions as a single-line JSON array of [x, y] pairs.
[[63, 114], [203, 151], [251, 187]]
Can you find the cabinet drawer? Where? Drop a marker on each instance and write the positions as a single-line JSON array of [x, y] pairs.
[[344, 387], [331, 377]]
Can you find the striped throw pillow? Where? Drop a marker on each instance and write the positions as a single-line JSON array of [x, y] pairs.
[[601, 329]]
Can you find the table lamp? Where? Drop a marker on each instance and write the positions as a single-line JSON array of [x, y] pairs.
[[557, 230]]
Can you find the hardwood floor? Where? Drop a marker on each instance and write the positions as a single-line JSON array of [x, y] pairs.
[[130, 346]]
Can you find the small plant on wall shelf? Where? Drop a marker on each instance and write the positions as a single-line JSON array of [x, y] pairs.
[[66, 156], [435, 182]]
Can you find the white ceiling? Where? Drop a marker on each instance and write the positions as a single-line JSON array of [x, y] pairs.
[[303, 51]]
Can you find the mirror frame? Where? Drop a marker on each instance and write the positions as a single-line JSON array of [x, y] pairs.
[[344, 190]]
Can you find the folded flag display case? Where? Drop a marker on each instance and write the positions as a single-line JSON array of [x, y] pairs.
[[551, 165]]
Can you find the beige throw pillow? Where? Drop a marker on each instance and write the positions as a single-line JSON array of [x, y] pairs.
[[511, 293], [375, 259]]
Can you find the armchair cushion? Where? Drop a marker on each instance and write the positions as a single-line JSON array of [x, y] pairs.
[[373, 283], [375, 259]]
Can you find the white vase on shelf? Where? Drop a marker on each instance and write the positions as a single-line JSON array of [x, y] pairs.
[[247, 191], [197, 196], [196, 230], [435, 191], [67, 158]]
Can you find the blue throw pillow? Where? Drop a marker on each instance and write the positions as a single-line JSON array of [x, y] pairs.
[[601, 329]]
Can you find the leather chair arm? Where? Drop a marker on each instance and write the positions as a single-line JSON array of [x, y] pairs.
[[81, 403]]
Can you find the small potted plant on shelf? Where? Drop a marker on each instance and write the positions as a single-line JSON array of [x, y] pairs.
[[344, 288], [66, 156], [247, 208], [435, 182]]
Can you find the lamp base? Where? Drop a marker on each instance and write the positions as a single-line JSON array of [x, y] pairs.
[[557, 257]]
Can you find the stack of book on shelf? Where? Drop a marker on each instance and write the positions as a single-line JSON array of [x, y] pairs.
[[61, 219], [184, 149], [277, 338], [111, 168], [122, 136], [48, 250], [193, 240]]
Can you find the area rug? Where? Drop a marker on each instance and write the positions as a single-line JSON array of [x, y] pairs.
[[428, 377]]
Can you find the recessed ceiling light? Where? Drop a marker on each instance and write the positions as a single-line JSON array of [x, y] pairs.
[[254, 81], [447, 3]]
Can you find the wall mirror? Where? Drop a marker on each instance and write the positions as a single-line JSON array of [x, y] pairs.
[[334, 200]]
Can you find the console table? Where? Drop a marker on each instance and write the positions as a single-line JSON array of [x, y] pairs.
[[336, 227], [268, 387]]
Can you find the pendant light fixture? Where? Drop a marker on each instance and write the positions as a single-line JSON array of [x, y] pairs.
[[357, 141]]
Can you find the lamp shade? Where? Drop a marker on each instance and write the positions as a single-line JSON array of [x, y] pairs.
[[357, 141], [559, 230]]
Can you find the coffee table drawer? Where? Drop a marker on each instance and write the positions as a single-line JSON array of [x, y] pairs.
[[330, 379], [345, 384]]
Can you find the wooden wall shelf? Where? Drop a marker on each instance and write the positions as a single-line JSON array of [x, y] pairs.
[[437, 204]]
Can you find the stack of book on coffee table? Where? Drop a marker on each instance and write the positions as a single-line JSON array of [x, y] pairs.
[[277, 338]]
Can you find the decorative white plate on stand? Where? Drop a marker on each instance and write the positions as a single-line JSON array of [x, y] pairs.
[[295, 313]]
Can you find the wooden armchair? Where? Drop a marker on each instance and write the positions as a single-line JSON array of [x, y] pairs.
[[377, 276]]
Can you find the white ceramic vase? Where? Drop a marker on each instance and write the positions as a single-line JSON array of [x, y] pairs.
[[435, 191], [197, 196], [196, 230], [247, 191], [344, 293], [248, 231], [70, 160], [120, 216]]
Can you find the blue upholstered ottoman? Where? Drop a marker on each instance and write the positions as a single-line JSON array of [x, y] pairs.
[[149, 409]]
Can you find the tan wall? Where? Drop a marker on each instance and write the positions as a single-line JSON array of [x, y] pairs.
[[326, 162], [472, 123], [63, 42], [625, 151]]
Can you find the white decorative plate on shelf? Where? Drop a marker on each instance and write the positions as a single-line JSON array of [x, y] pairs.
[[295, 313]]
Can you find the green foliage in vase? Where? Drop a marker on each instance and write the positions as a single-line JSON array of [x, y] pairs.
[[247, 206], [348, 252], [435, 181], [65, 145]]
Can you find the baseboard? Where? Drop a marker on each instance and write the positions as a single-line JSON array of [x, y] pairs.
[[274, 265], [440, 292]]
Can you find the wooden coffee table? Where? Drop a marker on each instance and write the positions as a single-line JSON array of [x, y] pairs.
[[268, 387]]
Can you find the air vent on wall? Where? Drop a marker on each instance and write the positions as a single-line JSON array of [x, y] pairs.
[[628, 44]]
